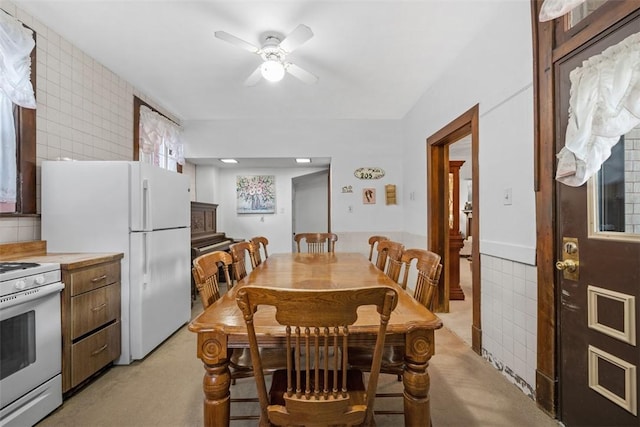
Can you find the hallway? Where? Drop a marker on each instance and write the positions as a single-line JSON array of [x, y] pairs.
[[459, 318]]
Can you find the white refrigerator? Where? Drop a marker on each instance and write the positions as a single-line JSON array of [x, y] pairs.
[[140, 210]]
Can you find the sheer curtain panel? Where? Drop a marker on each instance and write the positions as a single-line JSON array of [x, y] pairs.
[[160, 140], [604, 104], [552, 9], [16, 44]]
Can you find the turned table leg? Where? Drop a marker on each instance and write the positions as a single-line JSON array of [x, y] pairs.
[[212, 350], [419, 349]]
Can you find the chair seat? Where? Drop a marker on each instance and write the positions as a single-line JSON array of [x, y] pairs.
[[355, 385]]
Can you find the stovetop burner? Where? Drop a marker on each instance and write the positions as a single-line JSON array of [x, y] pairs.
[[11, 266]]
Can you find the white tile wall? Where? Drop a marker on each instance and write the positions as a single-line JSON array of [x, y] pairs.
[[84, 111], [509, 319], [632, 181]]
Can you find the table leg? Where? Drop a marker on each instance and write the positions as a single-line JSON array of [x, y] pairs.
[[418, 351], [212, 350]]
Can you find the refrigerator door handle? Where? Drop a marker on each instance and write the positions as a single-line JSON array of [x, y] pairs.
[[146, 205], [145, 259]]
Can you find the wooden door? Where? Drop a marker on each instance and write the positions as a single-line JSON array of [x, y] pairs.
[[598, 315]]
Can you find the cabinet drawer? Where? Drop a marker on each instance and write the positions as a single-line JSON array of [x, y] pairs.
[[94, 352], [93, 309], [84, 280]]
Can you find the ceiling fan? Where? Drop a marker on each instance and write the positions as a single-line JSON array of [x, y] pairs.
[[274, 53]]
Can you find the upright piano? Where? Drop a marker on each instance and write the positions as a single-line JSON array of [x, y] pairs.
[[204, 235]]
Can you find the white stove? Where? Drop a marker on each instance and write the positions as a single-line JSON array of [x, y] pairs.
[[20, 276], [31, 357]]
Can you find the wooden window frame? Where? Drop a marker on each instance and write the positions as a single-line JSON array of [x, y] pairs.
[[137, 103]]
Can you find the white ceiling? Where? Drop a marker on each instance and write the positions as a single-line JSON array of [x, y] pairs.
[[272, 162], [374, 59]]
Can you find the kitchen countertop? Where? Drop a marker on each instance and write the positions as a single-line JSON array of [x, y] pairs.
[[74, 260], [36, 251]]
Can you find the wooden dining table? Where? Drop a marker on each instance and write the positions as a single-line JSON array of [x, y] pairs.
[[221, 326]]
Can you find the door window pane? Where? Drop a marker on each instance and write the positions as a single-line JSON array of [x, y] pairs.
[[616, 189]]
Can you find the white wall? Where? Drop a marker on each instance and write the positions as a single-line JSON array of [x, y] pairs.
[[275, 227], [350, 144], [496, 72]]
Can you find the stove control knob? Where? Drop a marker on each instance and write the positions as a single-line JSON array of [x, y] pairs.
[[40, 280], [20, 285]]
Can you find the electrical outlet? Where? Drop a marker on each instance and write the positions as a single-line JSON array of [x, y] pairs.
[[506, 197]]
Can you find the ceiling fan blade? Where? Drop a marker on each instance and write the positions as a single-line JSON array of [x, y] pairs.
[[296, 38], [223, 35], [300, 73], [254, 78]]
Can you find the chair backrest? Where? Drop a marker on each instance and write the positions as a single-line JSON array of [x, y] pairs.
[[372, 242], [260, 242], [205, 274], [239, 253], [317, 242], [390, 258], [428, 269], [317, 321]]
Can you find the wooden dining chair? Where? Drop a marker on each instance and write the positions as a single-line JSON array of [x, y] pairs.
[[326, 392], [260, 242], [317, 242], [206, 270], [428, 270], [373, 240], [389, 258], [240, 251]]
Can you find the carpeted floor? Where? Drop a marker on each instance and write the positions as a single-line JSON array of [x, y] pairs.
[[165, 390]]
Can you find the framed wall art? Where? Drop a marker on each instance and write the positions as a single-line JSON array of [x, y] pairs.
[[256, 194], [369, 196]]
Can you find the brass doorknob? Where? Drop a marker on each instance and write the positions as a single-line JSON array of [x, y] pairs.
[[569, 265]]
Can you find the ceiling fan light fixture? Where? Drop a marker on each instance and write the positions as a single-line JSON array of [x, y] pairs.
[[272, 71]]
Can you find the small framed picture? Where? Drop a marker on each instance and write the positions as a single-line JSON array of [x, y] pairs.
[[369, 196]]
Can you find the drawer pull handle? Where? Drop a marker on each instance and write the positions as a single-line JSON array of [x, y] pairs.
[[100, 307], [97, 279], [100, 350]]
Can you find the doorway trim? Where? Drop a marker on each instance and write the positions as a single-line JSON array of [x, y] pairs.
[[437, 223]]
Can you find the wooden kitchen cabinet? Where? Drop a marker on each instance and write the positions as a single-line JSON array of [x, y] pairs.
[[90, 307], [90, 315]]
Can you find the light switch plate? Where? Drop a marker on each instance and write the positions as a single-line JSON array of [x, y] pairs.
[[506, 198]]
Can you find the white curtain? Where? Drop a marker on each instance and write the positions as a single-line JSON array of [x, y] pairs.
[[552, 9], [160, 139], [16, 44], [604, 104]]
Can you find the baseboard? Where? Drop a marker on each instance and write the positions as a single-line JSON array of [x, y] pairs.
[[546, 393]]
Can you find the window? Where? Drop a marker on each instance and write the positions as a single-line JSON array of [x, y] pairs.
[[157, 139], [25, 151]]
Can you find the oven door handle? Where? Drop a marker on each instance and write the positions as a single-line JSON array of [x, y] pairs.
[[25, 296]]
